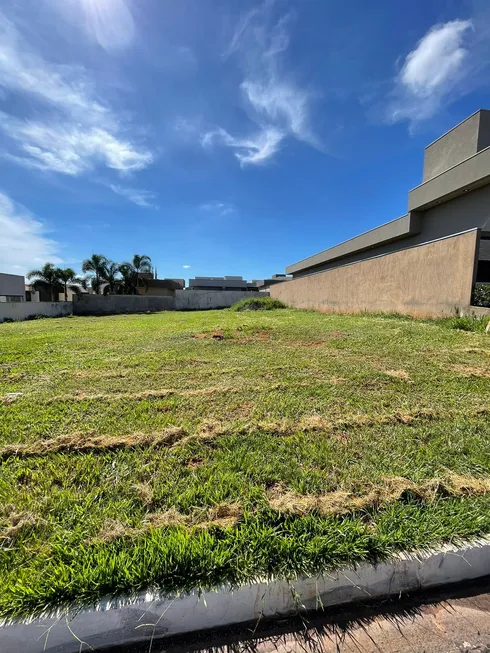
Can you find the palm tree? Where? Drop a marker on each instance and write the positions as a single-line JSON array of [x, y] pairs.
[[47, 276], [95, 264], [66, 276], [110, 276], [141, 263], [129, 280]]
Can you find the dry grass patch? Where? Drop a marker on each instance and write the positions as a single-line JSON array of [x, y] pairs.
[[467, 370], [390, 490], [222, 515], [79, 442], [17, 522], [399, 374]]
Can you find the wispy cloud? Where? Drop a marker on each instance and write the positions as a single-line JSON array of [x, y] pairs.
[[24, 243], [109, 23], [434, 73], [277, 105], [73, 131], [220, 208], [186, 267], [139, 196]]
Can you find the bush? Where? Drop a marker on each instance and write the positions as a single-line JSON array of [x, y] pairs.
[[481, 295], [258, 304], [37, 316], [7, 319], [466, 323]]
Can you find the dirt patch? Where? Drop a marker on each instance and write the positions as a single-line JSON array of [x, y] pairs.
[[217, 335]]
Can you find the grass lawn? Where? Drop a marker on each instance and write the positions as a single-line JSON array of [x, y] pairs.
[[177, 450]]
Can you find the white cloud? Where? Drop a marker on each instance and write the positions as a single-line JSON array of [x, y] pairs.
[[24, 243], [221, 208], [186, 267], [274, 102], [108, 22], [137, 195], [435, 72], [73, 131]]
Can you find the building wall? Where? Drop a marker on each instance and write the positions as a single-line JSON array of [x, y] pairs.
[[431, 279], [22, 310], [155, 292], [460, 214], [188, 300], [12, 284], [466, 139]]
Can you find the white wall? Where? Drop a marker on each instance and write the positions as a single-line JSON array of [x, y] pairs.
[[21, 310]]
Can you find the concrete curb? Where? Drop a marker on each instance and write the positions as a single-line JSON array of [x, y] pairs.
[[125, 621]]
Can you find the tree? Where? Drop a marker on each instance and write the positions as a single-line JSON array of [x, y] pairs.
[[110, 274], [141, 263], [47, 276], [95, 264], [66, 276], [129, 280]]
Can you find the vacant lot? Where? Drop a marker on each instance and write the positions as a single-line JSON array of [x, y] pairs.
[[185, 449]]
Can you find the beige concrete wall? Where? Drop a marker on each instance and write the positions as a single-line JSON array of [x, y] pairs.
[[431, 279]]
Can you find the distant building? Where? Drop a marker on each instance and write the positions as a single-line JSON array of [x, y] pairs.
[[265, 284], [159, 287], [221, 283], [12, 288]]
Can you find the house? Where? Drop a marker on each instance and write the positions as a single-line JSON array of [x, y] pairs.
[[158, 287], [12, 288], [425, 262], [265, 284], [221, 283]]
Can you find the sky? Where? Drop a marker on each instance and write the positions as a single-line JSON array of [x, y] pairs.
[[222, 137]]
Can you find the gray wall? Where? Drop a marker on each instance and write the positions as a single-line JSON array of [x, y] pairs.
[[115, 304], [460, 214], [205, 299], [21, 310], [190, 300], [12, 284], [466, 139]]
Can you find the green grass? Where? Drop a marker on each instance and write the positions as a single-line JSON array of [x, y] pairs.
[[176, 450]]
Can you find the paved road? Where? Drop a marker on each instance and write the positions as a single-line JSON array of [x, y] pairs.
[[456, 621]]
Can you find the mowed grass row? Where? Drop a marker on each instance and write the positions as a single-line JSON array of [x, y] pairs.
[[188, 449]]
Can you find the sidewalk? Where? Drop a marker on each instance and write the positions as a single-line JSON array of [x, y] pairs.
[[455, 620]]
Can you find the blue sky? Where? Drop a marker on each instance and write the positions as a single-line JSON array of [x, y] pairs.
[[222, 136]]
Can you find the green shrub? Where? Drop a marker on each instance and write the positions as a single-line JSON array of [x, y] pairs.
[[466, 323], [37, 316], [258, 304], [481, 295], [8, 319]]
